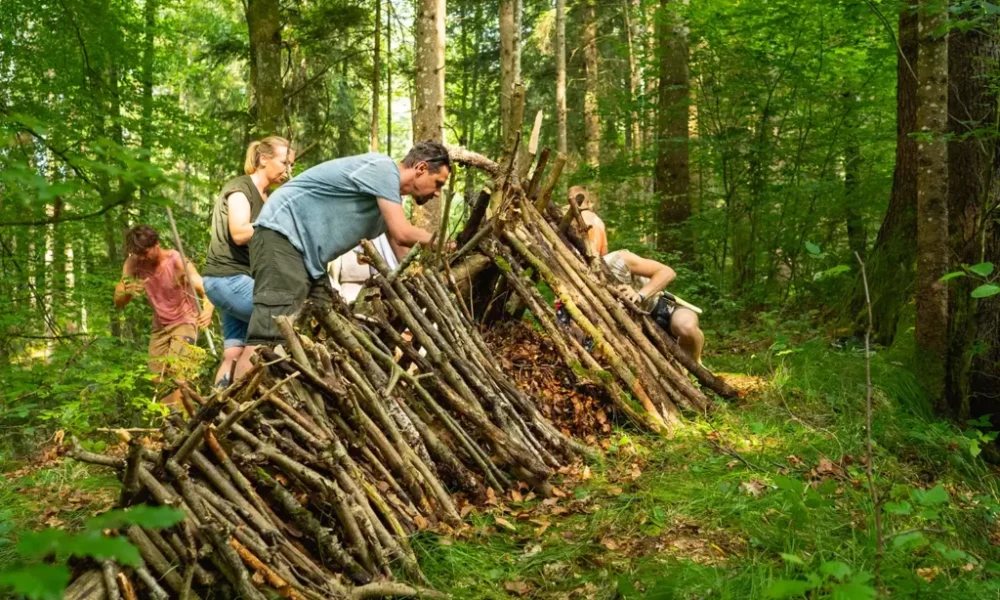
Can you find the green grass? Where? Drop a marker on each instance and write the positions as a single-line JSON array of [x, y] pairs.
[[688, 527], [65, 495], [668, 525]]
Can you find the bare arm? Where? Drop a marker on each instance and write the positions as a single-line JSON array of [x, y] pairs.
[[401, 232], [127, 285], [659, 274], [199, 287], [398, 249], [239, 219]]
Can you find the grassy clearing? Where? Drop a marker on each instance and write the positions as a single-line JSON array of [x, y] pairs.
[[711, 512]]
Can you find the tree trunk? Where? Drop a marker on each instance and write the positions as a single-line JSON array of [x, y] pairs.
[[561, 75], [891, 263], [857, 237], [631, 31], [388, 78], [591, 57], [148, 51], [932, 199], [373, 134], [972, 196], [473, 116], [672, 177], [264, 24], [508, 70], [429, 90]]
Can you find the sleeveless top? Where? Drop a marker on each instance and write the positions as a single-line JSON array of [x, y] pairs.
[[171, 301], [621, 275], [226, 257]]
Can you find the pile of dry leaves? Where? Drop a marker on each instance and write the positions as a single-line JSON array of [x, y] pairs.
[[529, 358]]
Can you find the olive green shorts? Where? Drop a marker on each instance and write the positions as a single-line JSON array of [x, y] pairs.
[[281, 285]]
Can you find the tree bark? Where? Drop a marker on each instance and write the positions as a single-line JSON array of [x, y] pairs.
[[508, 70], [972, 197], [857, 237], [892, 261], [148, 52], [388, 78], [672, 176], [561, 75], [932, 198], [376, 74], [264, 24], [631, 31], [591, 57], [429, 90]]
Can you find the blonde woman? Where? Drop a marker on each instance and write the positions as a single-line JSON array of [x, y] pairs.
[[227, 269]]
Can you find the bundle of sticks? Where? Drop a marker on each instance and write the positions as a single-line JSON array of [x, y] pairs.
[[530, 242], [307, 478]]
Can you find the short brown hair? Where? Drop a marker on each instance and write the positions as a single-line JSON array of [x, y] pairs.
[[141, 238], [431, 152]]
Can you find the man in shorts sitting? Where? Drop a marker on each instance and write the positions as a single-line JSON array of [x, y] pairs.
[[162, 277], [642, 281]]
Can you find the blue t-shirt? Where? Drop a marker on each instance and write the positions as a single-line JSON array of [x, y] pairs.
[[330, 208]]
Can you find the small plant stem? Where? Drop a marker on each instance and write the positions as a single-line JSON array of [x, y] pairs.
[[879, 541]]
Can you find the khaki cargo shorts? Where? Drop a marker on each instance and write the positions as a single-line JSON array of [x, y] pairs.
[[172, 350]]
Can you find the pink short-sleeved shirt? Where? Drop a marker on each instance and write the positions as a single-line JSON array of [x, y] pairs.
[[167, 293]]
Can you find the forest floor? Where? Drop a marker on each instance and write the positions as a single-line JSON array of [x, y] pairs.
[[767, 497]]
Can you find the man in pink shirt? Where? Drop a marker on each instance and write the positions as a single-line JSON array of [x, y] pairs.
[[161, 275]]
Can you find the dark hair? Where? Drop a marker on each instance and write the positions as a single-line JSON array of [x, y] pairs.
[[141, 238], [431, 152]]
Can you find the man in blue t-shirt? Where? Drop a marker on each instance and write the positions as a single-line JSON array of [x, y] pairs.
[[327, 211]]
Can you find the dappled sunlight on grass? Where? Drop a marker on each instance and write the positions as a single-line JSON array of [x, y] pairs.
[[709, 512]]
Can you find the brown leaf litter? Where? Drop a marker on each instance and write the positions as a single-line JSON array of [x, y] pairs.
[[531, 360]]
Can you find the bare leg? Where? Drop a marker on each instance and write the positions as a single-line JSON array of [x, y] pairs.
[[229, 356], [243, 365], [684, 325], [173, 401]]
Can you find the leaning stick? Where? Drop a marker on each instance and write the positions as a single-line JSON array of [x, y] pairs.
[[191, 290]]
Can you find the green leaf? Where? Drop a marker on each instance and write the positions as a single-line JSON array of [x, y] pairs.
[[831, 272], [986, 290], [911, 540], [853, 590], [898, 508], [984, 269], [42, 543], [788, 484], [974, 448], [835, 569], [983, 421], [932, 497], [788, 588], [813, 249], [792, 559], [89, 544], [953, 275], [37, 582], [150, 517]]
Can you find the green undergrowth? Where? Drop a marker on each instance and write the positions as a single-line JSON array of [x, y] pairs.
[[62, 495], [766, 498]]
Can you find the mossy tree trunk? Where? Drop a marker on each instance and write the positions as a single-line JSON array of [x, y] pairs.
[[891, 264], [973, 331], [932, 199]]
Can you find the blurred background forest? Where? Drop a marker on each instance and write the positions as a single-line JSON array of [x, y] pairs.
[[753, 146]]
